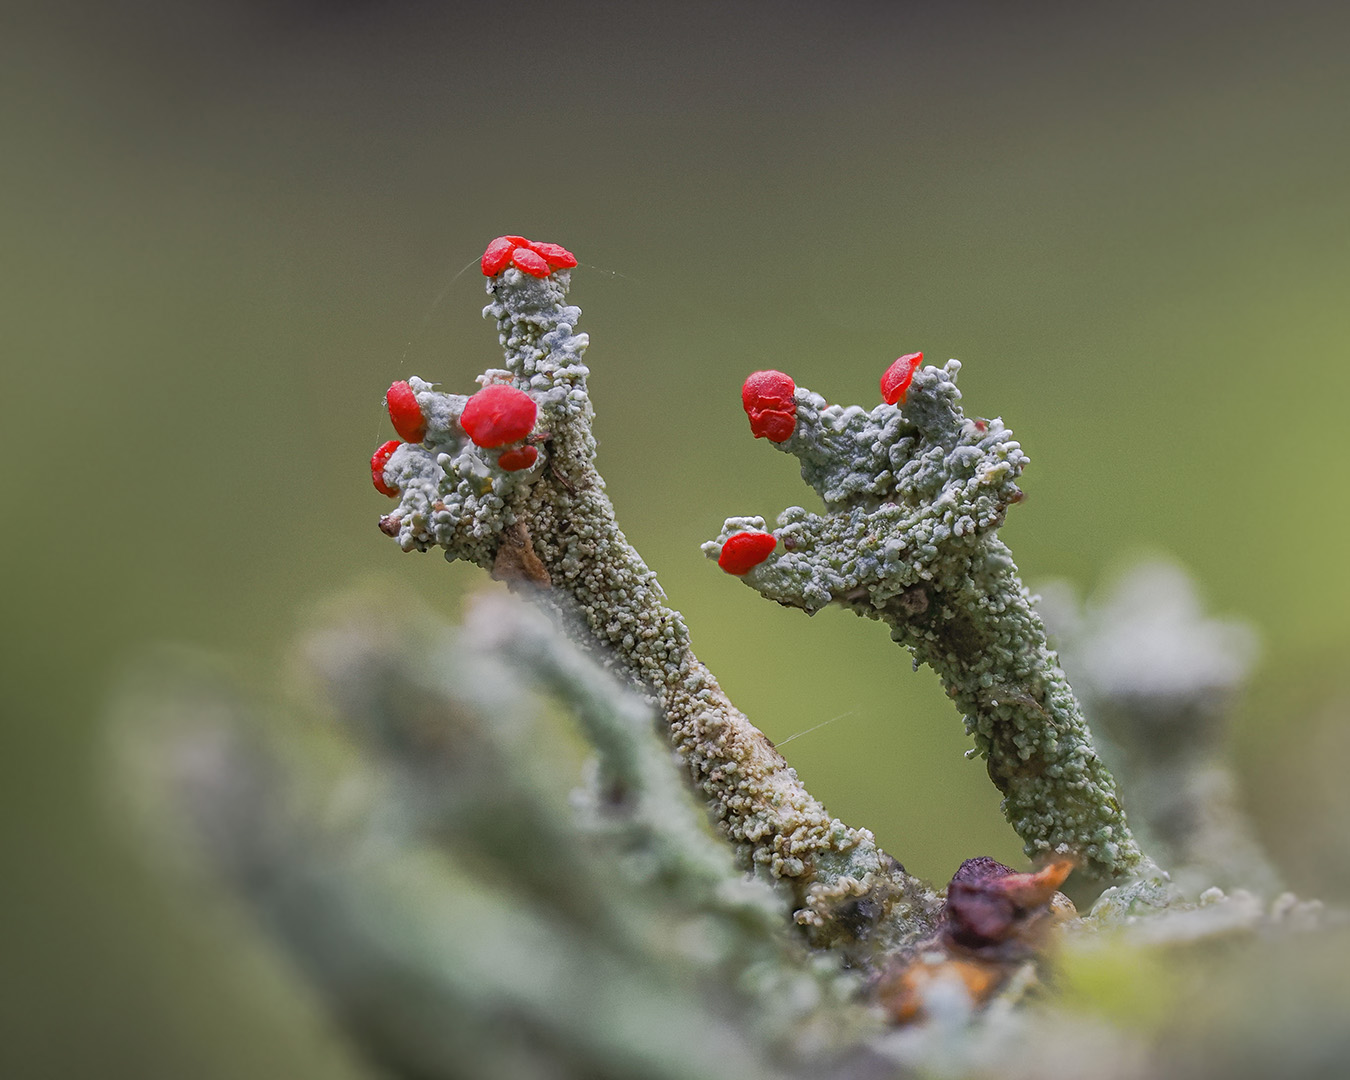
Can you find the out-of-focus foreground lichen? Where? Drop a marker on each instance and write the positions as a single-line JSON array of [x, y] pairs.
[[423, 845], [402, 827], [551, 847]]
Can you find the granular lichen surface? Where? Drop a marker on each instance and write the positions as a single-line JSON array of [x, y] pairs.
[[914, 492], [550, 530]]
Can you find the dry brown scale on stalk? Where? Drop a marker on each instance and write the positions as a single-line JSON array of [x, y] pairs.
[[994, 923]]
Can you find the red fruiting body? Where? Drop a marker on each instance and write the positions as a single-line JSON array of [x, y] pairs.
[[775, 426], [768, 400], [743, 551], [536, 259], [895, 383], [405, 413], [498, 415], [529, 261], [498, 255], [557, 256], [768, 390], [517, 458], [378, 461]]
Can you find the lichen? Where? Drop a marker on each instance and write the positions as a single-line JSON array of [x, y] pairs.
[[914, 494], [405, 832], [402, 827], [1158, 676], [550, 531]]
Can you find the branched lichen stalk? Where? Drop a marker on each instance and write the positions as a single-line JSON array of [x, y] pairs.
[[914, 496], [533, 511]]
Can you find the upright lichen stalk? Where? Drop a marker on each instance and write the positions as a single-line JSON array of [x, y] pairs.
[[914, 493], [541, 522]]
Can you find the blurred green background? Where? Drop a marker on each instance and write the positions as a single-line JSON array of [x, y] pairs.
[[228, 225]]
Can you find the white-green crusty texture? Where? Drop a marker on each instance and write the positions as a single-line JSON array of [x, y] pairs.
[[550, 530], [913, 499], [1158, 675]]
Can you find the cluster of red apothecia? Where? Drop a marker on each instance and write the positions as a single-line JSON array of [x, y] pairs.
[[528, 256], [497, 415]]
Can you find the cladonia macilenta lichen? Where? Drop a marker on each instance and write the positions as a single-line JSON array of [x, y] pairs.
[[914, 493], [543, 523]]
